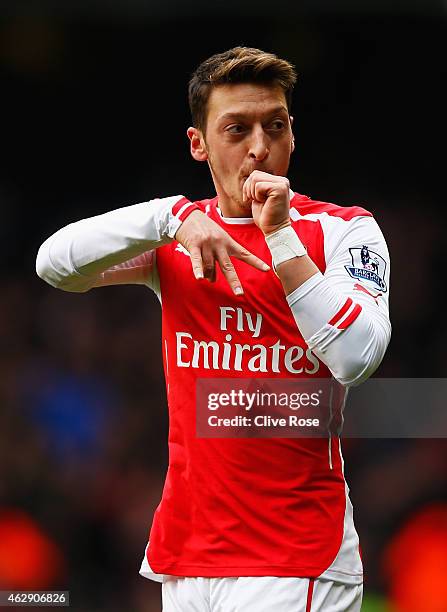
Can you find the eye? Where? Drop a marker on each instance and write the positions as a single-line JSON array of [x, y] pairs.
[[235, 129], [277, 124]]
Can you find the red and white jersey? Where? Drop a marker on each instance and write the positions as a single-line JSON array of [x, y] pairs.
[[252, 506]]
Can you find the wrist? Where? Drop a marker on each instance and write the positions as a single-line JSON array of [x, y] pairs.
[[178, 213], [284, 244], [276, 228]]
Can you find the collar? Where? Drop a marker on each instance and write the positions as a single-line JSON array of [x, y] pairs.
[[241, 220]]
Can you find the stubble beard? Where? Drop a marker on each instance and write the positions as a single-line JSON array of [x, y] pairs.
[[239, 208], [244, 207]]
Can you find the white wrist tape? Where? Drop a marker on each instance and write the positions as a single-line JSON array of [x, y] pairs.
[[284, 245]]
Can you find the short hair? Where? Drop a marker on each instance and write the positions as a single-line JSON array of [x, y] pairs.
[[237, 65]]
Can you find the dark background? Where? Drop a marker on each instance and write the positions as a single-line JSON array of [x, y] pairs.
[[94, 110]]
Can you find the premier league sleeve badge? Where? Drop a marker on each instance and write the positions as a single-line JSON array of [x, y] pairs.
[[367, 266]]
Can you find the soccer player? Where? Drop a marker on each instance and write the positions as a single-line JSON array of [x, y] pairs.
[[246, 524]]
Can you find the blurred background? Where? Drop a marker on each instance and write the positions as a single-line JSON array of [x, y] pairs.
[[94, 117]]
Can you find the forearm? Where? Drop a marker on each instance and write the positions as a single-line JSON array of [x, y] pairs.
[[346, 326], [294, 272], [349, 333], [136, 271], [78, 256]]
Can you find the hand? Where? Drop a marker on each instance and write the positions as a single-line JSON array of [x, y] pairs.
[[207, 243], [270, 200]]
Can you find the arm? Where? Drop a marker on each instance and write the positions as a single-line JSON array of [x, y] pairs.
[[343, 320], [112, 248], [116, 247], [136, 271]]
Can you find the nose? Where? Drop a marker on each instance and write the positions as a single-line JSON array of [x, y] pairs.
[[259, 145]]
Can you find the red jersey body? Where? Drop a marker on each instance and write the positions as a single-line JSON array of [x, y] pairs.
[[242, 507]]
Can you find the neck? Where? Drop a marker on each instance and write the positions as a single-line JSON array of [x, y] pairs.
[[233, 208]]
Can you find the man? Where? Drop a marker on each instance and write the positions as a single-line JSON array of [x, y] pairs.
[[246, 524]]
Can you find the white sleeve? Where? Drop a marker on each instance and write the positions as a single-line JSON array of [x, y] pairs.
[[112, 248], [343, 314]]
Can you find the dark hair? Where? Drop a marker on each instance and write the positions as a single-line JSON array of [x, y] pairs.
[[237, 65]]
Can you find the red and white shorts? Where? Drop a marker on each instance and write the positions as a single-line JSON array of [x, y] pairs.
[[259, 594]]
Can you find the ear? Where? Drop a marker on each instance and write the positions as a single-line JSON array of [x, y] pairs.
[[197, 142], [292, 143]]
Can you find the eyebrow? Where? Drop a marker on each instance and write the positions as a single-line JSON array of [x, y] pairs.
[[275, 111]]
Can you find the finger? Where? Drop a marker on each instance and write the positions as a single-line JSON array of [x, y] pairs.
[[229, 272], [246, 190], [196, 262], [261, 190], [209, 264], [252, 181], [251, 185], [243, 254], [213, 276]]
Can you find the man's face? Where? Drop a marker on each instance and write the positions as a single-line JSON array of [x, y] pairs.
[[248, 128]]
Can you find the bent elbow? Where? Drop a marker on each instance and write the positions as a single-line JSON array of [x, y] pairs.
[[358, 367], [354, 374], [44, 268], [74, 283]]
